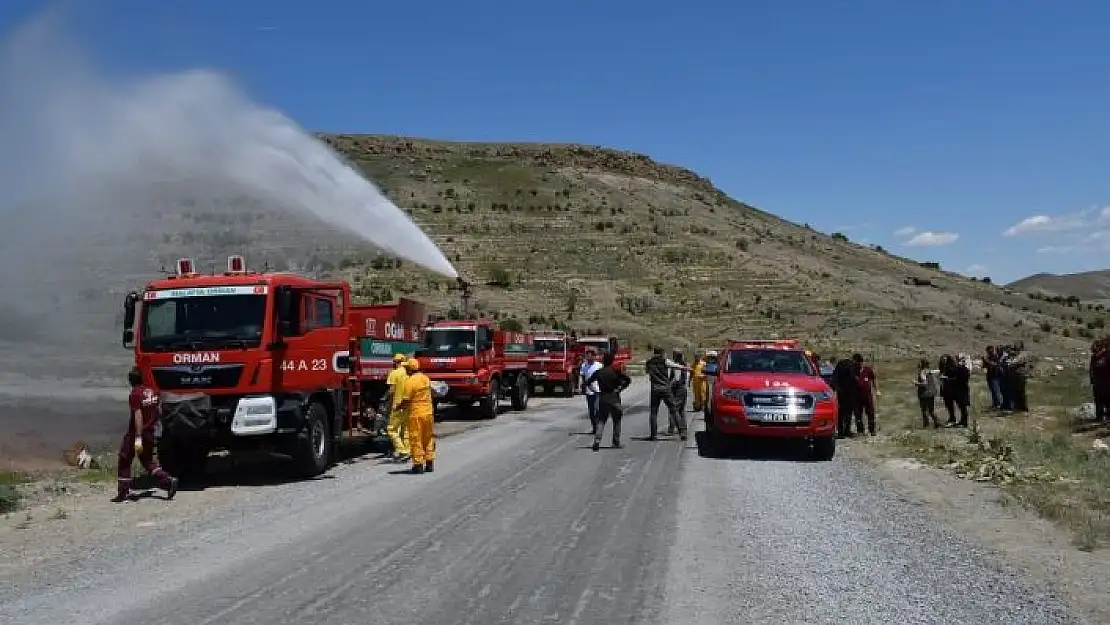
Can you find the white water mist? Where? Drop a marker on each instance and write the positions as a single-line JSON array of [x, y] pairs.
[[80, 145]]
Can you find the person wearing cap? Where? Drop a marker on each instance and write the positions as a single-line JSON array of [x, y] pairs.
[[699, 385], [397, 418], [417, 402]]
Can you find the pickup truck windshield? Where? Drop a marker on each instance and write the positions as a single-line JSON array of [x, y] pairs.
[[768, 361], [208, 322], [549, 346], [438, 343]]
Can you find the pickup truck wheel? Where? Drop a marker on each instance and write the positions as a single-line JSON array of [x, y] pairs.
[[313, 450], [185, 461], [488, 407], [824, 448], [522, 392]]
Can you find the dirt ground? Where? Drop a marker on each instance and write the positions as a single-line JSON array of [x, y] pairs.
[[1045, 550]]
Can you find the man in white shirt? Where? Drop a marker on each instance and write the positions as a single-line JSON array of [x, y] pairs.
[[589, 367]]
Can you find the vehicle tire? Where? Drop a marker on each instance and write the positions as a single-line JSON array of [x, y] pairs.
[[186, 461], [312, 454], [488, 406], [522, 392], [715, 444], [824, 448]]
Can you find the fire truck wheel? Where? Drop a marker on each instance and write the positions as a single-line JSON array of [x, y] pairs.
[[187, 462], [488, 406], [521, 392], [313, 451], [824, 448]]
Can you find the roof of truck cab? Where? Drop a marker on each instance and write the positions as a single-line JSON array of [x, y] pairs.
[[204, 280]]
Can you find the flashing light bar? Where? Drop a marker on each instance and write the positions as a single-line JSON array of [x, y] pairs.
[[236, 264], [185, 267]]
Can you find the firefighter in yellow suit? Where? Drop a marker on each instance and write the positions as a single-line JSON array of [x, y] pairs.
[[417, 400], [397, 418], [699, 384]]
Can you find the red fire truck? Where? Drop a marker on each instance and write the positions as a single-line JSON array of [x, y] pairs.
[[551, 363], [604, 344], [245, 360], [770, 388], [479, 363], [383, 330]]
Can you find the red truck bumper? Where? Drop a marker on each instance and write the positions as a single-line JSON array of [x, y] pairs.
[[461, 385], [731, 421], [549, 376]]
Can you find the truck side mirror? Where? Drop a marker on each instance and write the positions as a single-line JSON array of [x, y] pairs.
[[129, 303]]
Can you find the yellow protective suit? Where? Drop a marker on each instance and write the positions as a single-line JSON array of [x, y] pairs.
[[421, 416], [398, 417], [699, 384]]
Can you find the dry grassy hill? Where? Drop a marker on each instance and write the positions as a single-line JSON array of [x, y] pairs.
[[593, 237], [1087, 286]]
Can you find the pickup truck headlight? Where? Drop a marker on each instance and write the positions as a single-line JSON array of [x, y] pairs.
[[733, 393], [822, 395]]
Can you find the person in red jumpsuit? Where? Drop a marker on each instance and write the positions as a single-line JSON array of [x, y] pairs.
[[865, 399], [139, 440]]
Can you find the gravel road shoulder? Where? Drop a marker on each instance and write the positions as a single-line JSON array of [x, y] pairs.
[[1041, 549]]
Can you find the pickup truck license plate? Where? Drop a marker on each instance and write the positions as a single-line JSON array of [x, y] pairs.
[[776, 416]]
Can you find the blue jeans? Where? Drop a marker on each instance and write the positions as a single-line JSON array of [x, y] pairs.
[[591, 408], [995, 386]]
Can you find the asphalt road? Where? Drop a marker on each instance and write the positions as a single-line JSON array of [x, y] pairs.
[[522, 523]]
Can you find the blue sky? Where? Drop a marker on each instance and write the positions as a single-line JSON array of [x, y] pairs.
[[971, 132]]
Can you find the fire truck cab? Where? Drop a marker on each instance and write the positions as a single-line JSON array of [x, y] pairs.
[[770, 389], [243, 360]]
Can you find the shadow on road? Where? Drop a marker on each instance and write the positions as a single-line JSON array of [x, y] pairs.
[[761, 450]]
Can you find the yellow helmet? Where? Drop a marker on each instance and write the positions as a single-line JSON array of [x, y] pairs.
[[412, 364], [398, 358]]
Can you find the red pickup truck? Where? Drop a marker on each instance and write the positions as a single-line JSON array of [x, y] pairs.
[[770, 389]]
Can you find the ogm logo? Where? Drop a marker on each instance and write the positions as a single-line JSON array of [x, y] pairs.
[[394, 330]]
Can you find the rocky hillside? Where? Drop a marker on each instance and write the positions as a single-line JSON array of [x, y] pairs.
[[1088, 285], [580, 236]]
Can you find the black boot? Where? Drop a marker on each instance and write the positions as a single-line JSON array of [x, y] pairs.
[[171, 490], [417, 469], [429, 466], [596, 446]]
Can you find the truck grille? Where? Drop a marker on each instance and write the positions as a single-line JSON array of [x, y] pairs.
[[773, 400], [197, 377]]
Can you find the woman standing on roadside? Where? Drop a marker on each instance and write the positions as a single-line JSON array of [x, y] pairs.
[[927, 394]]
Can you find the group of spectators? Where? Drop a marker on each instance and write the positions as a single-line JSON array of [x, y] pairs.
[[1006, 368]]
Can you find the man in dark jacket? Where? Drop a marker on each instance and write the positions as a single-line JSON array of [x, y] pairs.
[[658, 369], [1100, 378], [845, 380], [610, 383]]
